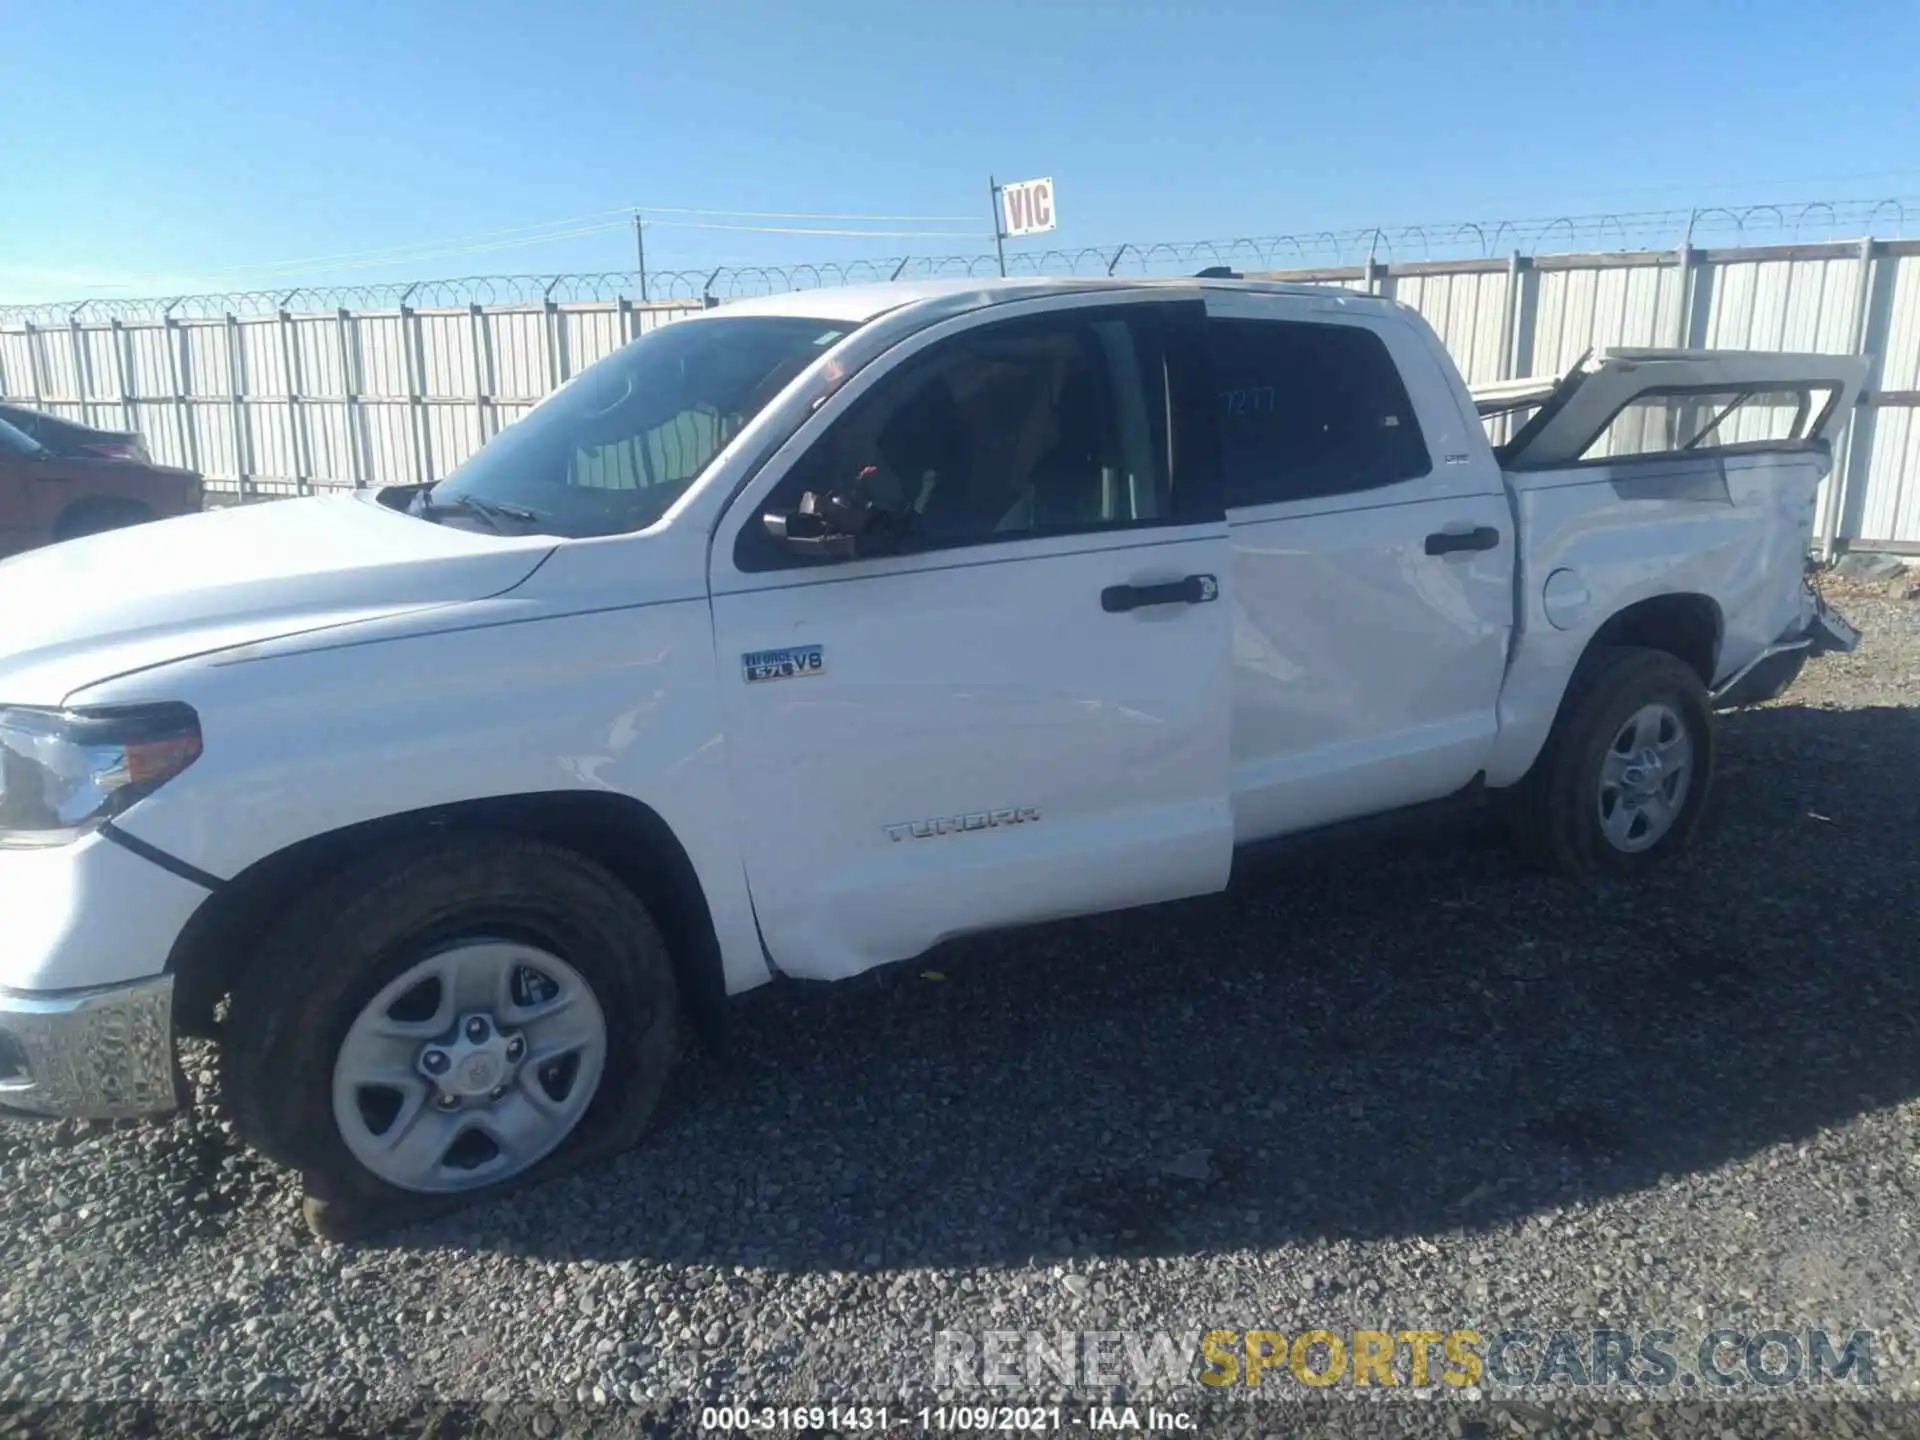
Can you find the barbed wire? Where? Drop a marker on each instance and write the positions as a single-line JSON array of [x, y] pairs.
[[1797, 221]]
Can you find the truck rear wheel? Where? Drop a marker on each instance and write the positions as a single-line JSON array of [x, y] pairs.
[[449, 1021], [1624, 775]]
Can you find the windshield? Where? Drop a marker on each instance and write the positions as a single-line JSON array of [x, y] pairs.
[[612, 449]]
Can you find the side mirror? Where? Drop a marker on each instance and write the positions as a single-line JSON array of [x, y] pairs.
[[839, 524]]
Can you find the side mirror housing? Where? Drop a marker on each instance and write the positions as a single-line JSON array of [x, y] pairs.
[[806, 531], [840, 524]]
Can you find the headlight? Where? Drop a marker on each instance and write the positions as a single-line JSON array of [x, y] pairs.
[[64, 773]]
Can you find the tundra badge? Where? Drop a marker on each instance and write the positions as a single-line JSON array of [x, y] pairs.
[[954, 824]]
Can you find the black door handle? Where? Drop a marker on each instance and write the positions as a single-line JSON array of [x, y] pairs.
[[1448, 542], [1194, 590]]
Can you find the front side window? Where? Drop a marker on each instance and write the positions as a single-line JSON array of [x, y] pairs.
[[612, 449], [1658, 422], [14, 441], [1013, 431], [1309, 410]]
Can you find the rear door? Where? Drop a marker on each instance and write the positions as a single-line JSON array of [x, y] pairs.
[[1023, 712], [1373, 553]]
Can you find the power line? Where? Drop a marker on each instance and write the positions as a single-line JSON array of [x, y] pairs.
[[789, 214], [588, 224], [454, 245], [800, 230]]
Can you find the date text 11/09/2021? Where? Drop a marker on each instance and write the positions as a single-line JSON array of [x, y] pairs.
[[990, 1419]]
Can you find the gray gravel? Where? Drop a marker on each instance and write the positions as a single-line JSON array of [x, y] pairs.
[[1416, 1087]]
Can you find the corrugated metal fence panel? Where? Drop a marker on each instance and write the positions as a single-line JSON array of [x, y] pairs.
[[453, 433], [100, 375], [446, 350], [380, 353], [318, 355], [591, 332], [520, 350], [161, 418], [1469, 312], [16, 366], [1781, 305], [59, 373], [1887, 507], [1580, 309], [330, 442]]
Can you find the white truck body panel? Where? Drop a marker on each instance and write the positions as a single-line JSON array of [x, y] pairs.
[[349, 664], [75, 615]]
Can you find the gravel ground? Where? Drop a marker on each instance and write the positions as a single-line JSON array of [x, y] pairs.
[[1396, 1088]]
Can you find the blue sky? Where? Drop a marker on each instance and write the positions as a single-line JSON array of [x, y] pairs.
[[162, 146]]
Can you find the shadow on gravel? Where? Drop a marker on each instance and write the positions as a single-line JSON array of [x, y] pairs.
[[1381, 1041]]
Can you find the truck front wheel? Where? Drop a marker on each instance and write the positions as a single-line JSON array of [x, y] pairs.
[[1624, 775], [447, 1021]]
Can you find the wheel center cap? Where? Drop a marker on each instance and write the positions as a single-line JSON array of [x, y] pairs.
[[474, 1062], [479, 1072], [1644, 776]]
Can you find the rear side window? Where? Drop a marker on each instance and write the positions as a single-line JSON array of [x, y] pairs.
[[1658, 422], [1310, 410]]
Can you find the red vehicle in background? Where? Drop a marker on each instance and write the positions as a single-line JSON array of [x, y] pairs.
[[71, 438], [47, 497]]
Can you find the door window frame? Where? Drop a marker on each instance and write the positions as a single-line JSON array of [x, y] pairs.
[[1380, 351], [1460, 460], [1195, 477]]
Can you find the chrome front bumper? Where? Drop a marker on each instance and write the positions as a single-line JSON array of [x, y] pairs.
[[103, 1054]]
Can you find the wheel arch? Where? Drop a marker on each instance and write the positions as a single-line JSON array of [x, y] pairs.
[[624, 835], [1683, 623], [1687, 625]]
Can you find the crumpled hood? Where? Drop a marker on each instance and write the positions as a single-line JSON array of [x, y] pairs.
[[76, 614]]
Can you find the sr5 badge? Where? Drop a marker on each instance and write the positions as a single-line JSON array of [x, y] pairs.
[[791, 663]]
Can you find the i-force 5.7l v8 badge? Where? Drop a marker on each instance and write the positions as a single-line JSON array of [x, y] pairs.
[[790, 663]]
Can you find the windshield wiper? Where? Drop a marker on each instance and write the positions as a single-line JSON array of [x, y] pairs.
[[491, 511]]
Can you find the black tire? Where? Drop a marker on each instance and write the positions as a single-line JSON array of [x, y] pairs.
[[360, 929], [1768, 680], [95, 517], [1554, 812]]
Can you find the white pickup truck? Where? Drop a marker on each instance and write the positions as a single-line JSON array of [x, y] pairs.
[[798, 637]]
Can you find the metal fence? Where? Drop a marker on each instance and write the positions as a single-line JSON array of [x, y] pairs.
[[1536, 315], [270, 394], [288, 403]]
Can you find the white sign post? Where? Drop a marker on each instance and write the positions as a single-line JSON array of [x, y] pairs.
[[1025, 207]]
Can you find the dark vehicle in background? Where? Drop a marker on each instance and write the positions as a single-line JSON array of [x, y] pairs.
[[47, 497], [73, 441]]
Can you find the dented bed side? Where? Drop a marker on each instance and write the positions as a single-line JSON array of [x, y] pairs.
[[1723, 528]]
